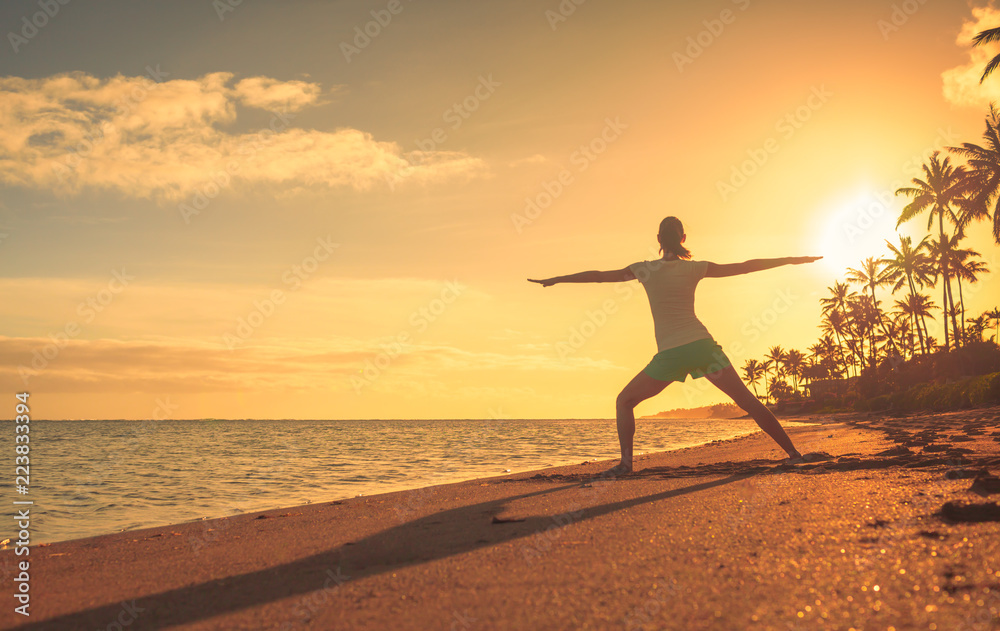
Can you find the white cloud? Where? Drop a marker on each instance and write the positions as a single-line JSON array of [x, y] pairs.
[[166, 141], [961, 84], [271, 94]]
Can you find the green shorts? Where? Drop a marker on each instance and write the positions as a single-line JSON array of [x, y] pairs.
[[695, 358]]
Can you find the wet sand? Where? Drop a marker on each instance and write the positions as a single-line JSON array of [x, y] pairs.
[[892, 523]]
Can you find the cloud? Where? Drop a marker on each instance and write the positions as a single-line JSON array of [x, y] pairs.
[[532, 159], [184, 365], [961, 84], [169, 141], [271, 94]]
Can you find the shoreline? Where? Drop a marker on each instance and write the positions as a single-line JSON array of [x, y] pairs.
[[716, 536], [370, 488]]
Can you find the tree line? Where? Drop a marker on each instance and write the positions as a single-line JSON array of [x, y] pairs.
[[860, 331]]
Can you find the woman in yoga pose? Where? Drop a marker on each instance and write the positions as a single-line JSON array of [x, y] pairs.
[[684, 345]]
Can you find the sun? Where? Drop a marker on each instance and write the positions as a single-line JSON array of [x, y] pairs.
[[856, 227]]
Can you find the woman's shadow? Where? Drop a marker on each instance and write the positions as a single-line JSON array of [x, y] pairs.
[[435, 536]]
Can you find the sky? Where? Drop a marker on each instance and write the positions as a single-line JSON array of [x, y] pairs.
[[313, 209]]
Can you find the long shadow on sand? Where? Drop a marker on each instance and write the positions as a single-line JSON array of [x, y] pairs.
[[435, 536], [446, 533], [816, 463]]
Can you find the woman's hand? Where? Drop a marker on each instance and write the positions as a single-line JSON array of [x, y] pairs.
[[798, 260], [548, 282]]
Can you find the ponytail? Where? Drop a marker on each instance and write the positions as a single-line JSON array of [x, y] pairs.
[[671, 233]]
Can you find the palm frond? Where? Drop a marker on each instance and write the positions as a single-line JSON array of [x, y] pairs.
[[990, 67], [986, 36]]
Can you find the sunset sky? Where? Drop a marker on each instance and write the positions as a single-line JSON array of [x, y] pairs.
[[257, 210]]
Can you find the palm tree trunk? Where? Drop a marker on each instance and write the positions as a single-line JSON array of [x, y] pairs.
[[961, 301], [891, 343], [913, 294], [954, 318], [843, 312], [944, 274]]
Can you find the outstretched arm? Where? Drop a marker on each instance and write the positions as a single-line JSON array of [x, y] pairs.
[[755, 265], [614, 276]]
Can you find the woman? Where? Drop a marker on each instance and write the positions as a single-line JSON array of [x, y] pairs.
[[684, 345]]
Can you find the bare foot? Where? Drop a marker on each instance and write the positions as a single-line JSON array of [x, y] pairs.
[[618, 469], [795, 458]]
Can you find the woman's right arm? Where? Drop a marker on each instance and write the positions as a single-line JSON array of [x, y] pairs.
[[613, 276], [755, 265]]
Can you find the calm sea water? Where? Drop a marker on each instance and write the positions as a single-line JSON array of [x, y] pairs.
[[97, 477]]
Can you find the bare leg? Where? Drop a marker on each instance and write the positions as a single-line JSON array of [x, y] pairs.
[[638, 390], [729, 382]]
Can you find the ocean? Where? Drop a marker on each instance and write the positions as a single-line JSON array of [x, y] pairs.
[[97, 477]]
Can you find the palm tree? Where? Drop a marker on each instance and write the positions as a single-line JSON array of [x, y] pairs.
[[764, 367], [968, 269], [983, 170], [976, 327], [872, 275], [917, 307], [794, 360], [995, 316], [862, 319], [985, 37], [939, 192], [894, 328], [833, 356], [777, 355], [778, 388], [910, 330], [836, 305], [752, 371], [942, 251], [911, 266]]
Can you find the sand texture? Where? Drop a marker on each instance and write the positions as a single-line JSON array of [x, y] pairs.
[[891, 524]]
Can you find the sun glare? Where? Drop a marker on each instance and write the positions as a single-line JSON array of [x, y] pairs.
[[855, 228]]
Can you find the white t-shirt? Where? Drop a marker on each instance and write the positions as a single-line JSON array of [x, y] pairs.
[[670, 288]]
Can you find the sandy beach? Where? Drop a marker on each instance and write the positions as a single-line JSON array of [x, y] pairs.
[[892, 524]]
